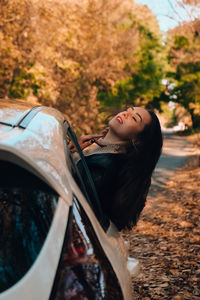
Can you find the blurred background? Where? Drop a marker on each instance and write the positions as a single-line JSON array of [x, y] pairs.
[[90, 58]]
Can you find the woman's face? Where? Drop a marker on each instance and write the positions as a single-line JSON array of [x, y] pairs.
[[128, 124]]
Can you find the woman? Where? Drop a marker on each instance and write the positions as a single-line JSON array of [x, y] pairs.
[[122, 162]]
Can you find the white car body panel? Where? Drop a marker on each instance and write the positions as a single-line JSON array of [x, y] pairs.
[[37, 282], [37, 146]]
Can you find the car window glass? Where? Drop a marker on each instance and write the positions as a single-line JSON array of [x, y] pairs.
[[72, 159], [85, 182], [27, 207]]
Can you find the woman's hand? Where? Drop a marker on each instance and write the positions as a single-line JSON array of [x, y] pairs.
[[85, 141]]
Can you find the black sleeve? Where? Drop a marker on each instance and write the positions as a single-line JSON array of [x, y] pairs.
[[103, 169]]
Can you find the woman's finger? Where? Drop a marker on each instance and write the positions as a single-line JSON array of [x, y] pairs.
[[88, 137], [82, 146], [71, 145], [85, 144], [85, 141], [73, 150], [96, 141]]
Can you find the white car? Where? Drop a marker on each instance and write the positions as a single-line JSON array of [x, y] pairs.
[[55, 242]]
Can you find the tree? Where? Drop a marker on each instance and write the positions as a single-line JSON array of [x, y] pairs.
[[184, 58], [16, 40], [63, 52], [190, 2], [144, 83], [187, 90], [86, 46]]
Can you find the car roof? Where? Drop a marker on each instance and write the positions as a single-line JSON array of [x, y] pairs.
[[32, 136], [11, 111]]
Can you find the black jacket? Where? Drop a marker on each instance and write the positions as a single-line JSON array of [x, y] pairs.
[[104, 169], [122, 204]]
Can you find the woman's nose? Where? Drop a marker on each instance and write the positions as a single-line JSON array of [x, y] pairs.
[[125, 114]]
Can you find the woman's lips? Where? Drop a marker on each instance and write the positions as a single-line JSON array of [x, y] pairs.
[[119, 119]]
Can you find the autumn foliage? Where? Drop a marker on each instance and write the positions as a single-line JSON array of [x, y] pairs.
[[91, 57], [184, 60], [63, 53]]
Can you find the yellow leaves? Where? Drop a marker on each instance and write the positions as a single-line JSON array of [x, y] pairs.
[[173, 271], [1, 36], [69, 65], [75, 47], [166, 241], [190, 32], [177, 297], [185, 224]]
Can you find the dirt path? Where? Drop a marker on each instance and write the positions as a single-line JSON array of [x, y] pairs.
[[176, 151], [167, 238]]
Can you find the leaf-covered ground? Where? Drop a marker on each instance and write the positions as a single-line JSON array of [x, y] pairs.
[[167, 241]]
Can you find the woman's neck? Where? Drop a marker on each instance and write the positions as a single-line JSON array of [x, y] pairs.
[[112, 138]]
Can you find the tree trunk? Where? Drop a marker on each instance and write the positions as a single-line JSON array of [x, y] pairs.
[[195, 119]]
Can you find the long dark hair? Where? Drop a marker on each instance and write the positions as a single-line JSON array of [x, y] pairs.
[[135, 175]]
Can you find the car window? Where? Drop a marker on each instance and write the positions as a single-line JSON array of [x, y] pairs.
[[88, 189], [27, 207]]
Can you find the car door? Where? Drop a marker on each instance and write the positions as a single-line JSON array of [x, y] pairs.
[[84, 270]]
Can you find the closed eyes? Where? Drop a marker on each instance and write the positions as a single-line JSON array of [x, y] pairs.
[[134, 118], [136, 114], [139, 116]]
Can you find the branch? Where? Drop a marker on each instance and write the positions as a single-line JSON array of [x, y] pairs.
[[175, 11]]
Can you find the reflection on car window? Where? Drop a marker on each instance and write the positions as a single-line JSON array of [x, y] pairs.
[[72, 162], [72, 165], [27, 206], [82, 175]]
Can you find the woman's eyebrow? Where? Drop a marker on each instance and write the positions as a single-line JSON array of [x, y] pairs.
[[139, 116]]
